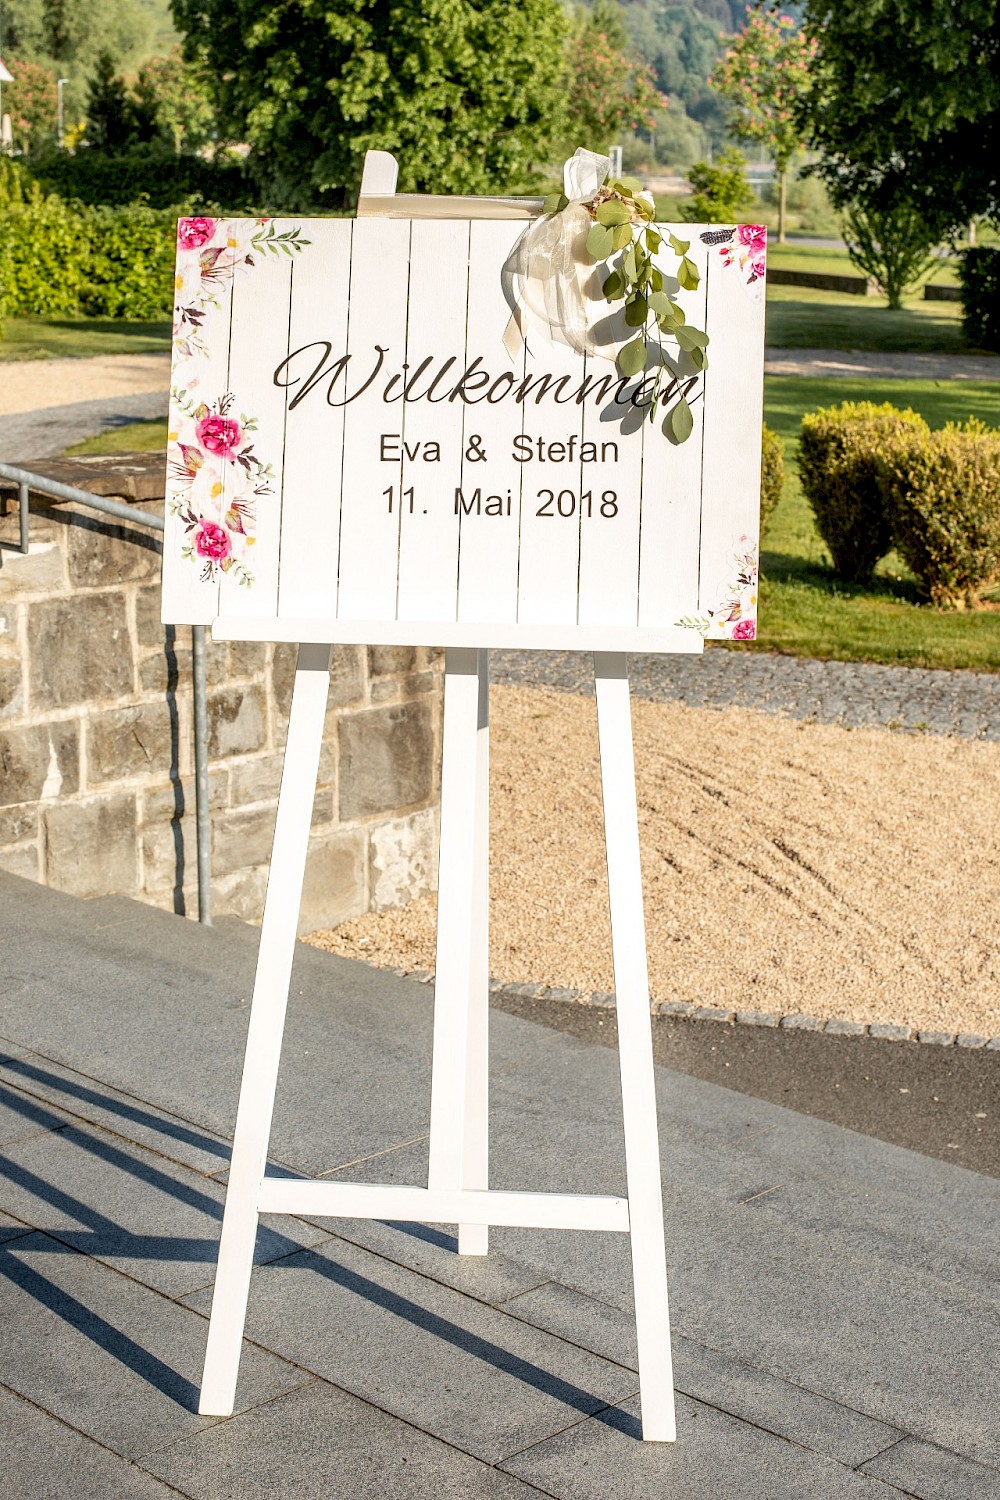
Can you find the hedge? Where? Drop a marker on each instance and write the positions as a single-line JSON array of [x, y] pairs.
[[148, 172], [772, 475], [840, 463], [979, 278], [65, 260], [944, 498]]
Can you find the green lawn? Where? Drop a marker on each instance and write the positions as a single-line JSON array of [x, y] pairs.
[[136, 437], [800, 318], [805, 609], [831, 261], [48, 338]]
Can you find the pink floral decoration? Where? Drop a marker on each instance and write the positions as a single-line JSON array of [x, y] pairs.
[[193, 233], [218, 435], [744, 630], [212, 541]]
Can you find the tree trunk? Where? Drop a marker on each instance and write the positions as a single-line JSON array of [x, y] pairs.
[[782, 199]]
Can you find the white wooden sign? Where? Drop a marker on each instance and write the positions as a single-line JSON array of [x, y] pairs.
[[362, 450], [355, 453]]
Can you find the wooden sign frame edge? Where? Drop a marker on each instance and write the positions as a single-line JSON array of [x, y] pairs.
[[458, 1183]]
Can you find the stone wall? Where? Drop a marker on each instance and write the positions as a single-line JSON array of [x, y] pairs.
[[96, 732]]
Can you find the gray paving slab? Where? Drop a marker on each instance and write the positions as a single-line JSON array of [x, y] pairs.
[[932, 1473], [77, 1097], [482, 1381], [19, 1121], [715, 1455], [113, 1359], [717, 1379], [45, 1460], [151, 1218], [320, 1442], [11, 1229]]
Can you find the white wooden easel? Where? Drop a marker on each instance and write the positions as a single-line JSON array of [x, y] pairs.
[[457, 1189]]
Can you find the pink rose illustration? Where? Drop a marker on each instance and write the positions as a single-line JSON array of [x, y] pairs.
[[754, 236], [744, 630], [212, 541], [193, 233], [218, 435]]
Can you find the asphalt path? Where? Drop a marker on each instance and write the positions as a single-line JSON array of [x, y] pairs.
[[941, 1101]]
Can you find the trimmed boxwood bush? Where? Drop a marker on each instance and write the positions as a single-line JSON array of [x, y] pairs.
[[979, 278], [772, 475], [944, 496], [152, 172], [841, 456]]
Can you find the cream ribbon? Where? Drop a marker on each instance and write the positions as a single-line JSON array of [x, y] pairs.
[[541, 277]]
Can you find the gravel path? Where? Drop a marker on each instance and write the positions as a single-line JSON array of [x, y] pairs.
[[856, 695], [44, 433], [852, 363]]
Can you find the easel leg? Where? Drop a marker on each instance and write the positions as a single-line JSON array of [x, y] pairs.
[[459, 1087], [635, 1047], [267, 1019]]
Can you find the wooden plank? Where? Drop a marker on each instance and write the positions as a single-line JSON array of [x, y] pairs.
[[363, 1200], [671, 477], [430, 436], [314, 430], [369, 532], [251, 500], [488, 538], [568, 637]]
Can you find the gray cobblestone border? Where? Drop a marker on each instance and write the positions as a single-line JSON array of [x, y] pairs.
[[681, 1010]]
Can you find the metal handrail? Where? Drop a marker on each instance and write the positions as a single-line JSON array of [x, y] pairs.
[[26, 482]]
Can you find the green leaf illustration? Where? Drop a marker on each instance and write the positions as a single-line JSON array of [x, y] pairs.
[[653, 241], [622, 234], [691, 338], [614, 286]]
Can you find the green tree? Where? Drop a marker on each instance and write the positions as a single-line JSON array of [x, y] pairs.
[[468, 95], [611, 90], [906, 106], [892, 245], [766, 76], [176, 96], [720, 191], [70, 35], [114, 117]]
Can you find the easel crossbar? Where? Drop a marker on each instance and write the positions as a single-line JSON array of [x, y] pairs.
[[364, 1200]]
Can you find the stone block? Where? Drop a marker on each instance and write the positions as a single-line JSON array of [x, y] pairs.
[[885, 1033], [801, 1023], [22, 860], [90, 846], [40, 570], [141, 741], [399, 689], [18, 824], [12, 702], [395, 660], [714, 1013], [757, 1018], [970, 1039], [148, 626], [79, 651], [160, 804], [672, 1008], [166, 671], [845, 1028], [39, 761], [404, 857], [100, 551], [240, 894], [237, 721], [242, 837], [937, 1038], [386, 759], [247, 658], [335, 887]]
